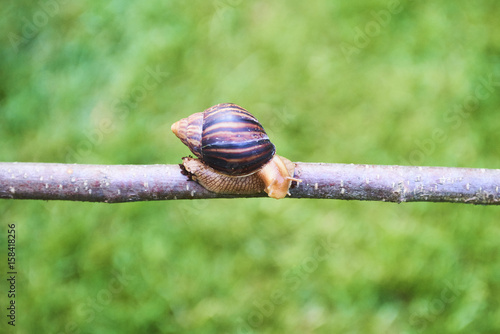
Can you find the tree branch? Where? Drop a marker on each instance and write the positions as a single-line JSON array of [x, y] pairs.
[[130, 183]]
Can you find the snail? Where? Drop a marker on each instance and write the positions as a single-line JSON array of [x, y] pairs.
[[234, 151]]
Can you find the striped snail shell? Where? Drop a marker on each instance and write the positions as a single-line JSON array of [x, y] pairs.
[[227, 138], [235, 153]]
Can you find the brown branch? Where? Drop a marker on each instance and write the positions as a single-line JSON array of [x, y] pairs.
[[130, 183]]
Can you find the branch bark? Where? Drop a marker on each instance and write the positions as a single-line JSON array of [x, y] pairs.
[[131, 183]]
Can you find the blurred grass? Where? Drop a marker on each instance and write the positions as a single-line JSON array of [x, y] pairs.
[[77, 86]]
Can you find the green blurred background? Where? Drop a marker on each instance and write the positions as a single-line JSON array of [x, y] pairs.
[[376, 82]]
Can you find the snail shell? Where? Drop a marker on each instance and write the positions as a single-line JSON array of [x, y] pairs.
[[236, 155], [227, 138]]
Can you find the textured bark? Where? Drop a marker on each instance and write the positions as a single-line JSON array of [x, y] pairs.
[[130, 183]]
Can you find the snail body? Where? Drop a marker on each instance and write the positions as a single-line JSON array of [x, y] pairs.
[[234, 151], [217, 182]]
